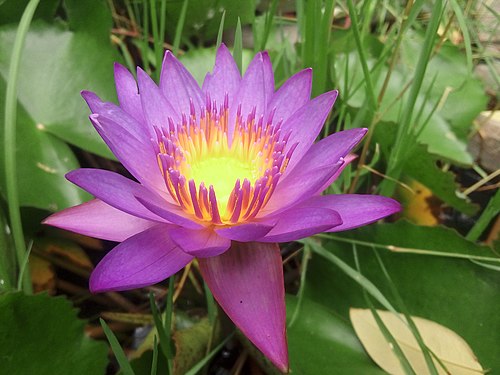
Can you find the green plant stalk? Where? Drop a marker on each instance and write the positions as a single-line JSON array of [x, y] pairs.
[[405, 134], [169, 310], [158, 47], [6, 280], [238, 46], [154, 361], [370, 91], [300, 295], [117, 349], [179, 27], [199, 366], [268, 23], [405, 364], [411, 324], [211, 306], [10, 141], [489, 213], [160, 328]]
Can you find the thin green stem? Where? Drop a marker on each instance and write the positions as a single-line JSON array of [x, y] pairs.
[[10, 141], [489, 213], [180, 26]]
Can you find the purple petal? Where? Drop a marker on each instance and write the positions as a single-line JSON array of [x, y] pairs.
[[144, 259], [138, 157], [157, 109], [122, 119], [355, 209], [298, 188], [179, 86], [305, 125], [200, 243], [168, 211], [247, 281], [128, 93], [225, 78], [246, 232], [256, 89], [294, 94], [298, 223], [97, 219], [348, 159], [115, 190]]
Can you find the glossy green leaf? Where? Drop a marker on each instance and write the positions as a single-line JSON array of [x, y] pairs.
[[42, 162], [453, 292], [42, 335], [321, 342], [59, 61]]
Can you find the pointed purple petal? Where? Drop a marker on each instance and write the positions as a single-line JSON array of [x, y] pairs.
[[247, 281], [298, 223], [255, 91], [168, 211], [348, 159], [200, 243], [144, 259], [137, 157], [128, 93], [306, 123], [121, 118], [246, 232], [179, 86], [115, 190], [157, 109], [225, 78], [355, 209], [294, 94], [298, 188], [97, 219]]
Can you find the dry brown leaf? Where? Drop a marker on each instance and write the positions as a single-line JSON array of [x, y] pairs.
[[42, 275], [450, 348]]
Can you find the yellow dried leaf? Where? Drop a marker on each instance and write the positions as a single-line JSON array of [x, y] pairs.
[[450, 348], [42, 275]]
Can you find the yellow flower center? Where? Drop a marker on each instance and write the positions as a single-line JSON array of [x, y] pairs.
[[216, 179]]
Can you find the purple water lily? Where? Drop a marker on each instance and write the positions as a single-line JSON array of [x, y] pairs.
[[224, 173]]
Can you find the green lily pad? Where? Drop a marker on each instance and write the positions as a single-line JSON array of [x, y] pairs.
[[321, 342], [42, 160], [42, 335], [59, 60], [453, 292]]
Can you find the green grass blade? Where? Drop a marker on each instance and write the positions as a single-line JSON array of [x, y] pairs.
[[154, 361], [10, 141], [465, 33], [160, 328], [117, 349], [180, 27], [352, 273], [211, 306], [199, 366], [5, 256], [221, 30], [489, 213], [268, 23], [238, 46], [157, 40], [306, 256]]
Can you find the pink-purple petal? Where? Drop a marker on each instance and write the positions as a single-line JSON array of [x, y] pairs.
[[302, 222], [298, 188], [225, 78], [200, 243], [305, 125], [157, 109], [115, 190], [247, 281], [137, 156], [179, 86], [98, 219], [255, 91], [128, 93], [355, 209], [246, 232], [144, 259], [294, 94], [172, 213]]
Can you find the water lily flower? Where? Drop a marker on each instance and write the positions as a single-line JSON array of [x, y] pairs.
[[224, 172]]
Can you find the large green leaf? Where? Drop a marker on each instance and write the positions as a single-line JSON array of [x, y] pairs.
[[42, 160], [321, 342], [60, 60], [453, 292], [42, 335]]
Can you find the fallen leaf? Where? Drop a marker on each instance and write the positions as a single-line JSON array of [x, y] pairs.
[[451, 349], [42, 275]]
